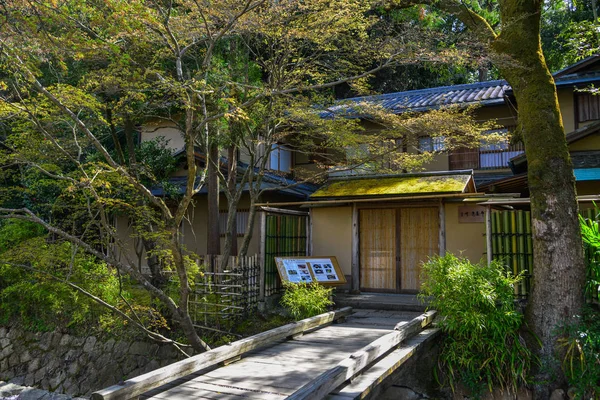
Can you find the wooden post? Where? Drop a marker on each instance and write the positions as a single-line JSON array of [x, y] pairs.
[[309, 234], [488, 233], [442, 234], [261, 254], [355, 251]]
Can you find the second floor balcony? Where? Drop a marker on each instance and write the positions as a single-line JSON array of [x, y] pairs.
[[485, 157]]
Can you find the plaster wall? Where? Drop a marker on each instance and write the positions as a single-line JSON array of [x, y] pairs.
[[171, 133], [332, 234], [567, 110], [194, 232], [591, 142], [464, 239]]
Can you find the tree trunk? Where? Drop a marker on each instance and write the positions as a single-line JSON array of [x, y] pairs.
[[559, 270]]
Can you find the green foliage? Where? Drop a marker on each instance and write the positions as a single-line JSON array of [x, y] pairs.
[[568, 32], [14, 231], [303, 301], [590, 232], [581, 363], [42, 303], [482, 347]]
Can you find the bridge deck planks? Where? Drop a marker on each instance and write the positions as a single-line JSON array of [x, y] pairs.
[[278, 370]]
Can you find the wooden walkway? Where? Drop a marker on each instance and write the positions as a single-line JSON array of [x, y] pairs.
[[286, 366]]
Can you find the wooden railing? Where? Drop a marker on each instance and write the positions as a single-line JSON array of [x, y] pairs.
[[133, 387], [483, 158]]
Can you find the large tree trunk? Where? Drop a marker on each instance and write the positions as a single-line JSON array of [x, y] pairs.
[[559, 270]]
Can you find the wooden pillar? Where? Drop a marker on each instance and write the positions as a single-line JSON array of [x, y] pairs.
[[355, 251], [442, 234], [309, 233], [261, 253], [488, 233]]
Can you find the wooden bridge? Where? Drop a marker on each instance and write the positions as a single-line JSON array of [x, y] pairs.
[[339, 355]]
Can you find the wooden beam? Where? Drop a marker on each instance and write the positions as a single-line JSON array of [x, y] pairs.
[[488, 233], [135, 386], [283, 211], [442, 233], [321, 386], [262, 259], [355, 288]]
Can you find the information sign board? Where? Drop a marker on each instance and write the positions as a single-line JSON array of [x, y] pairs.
[[324, 270]]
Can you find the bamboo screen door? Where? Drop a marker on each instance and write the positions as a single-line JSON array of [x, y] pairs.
[[393, 244]]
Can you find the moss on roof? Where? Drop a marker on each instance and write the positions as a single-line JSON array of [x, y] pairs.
[[396, 185]]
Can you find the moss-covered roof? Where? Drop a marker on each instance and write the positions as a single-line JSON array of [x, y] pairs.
[[394, 185]]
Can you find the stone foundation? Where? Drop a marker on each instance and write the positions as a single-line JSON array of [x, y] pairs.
[[76, 366]]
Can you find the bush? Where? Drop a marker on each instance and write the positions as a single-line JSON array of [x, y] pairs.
[[15, 231], [482, 347], [42, 303], [303, 301], [582, 358], [590, 232]]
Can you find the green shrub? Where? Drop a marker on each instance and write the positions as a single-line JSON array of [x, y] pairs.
[[15, 231], [303, 301], [482, 347], [582, 357], [40, 302], [590, 232]]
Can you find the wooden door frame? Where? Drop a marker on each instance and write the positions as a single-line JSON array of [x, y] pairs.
[[356, 285]]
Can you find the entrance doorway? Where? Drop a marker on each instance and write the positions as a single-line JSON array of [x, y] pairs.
[[393, 244]]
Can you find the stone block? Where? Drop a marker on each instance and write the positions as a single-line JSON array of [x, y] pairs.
[[74, 368], [3, 332], [66, 341], [72, 355], [25, 356], [89, 344], [33, 365], [108, 345], [13, 360], [139, 348], [6, 352], [13, 334], [120, 349], [55, 381], [4, 341], [29, 379], [45, 341], [40, 375]]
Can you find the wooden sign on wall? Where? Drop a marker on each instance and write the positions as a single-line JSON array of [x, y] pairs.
[[323, 270], [471, 214]]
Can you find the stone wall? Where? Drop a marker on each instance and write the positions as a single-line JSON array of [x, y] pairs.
[[76, 366]]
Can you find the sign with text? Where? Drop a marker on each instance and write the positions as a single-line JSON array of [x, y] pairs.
[[471, 214], [324, 270]]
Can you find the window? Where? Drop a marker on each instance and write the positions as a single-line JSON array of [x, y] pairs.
[[588, 107], [437, 143], [241, 219], [280, 158]]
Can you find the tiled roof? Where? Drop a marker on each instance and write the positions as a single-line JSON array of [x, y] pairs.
[[487, 93], [482, 93]]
